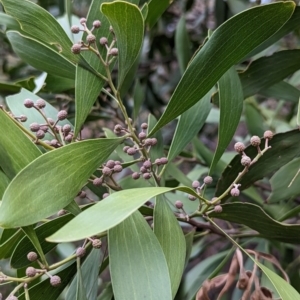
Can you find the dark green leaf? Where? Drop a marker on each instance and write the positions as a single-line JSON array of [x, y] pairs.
[[286, 182], [40, 56], [128, 24], [189, 124], [73, 208], [169, 233], [222, 51], [19, 256], [67, 169], [56, 84], [107, 293], [80, 289], [118, 206], [278, 66], [8, 246], [158, 150], [231, 107], [16, 149], [155, 10], [133, 247], [182, 44], [4, 181], [255, 217], [189, 239], [287, 143]]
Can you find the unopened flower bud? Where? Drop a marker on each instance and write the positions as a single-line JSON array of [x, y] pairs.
[[118, 168], [62, 115], [40, 134], [40, 103], [82, 21], [106, 171], [245, 161], [125, 148], [55, 280], [96, 23], [76, 48], [195, 184], [103, 41], [147, 175], [235, 192], [147, 164], [207, 180], [142, 135], [80, 252], [239, 147], [158, 162], [135, 175], [255, 141], [96, 243], [153, 141], [34, 127], [178, 204], [97, 181], [268, 134], [28, 103], [113, 52], [23, 118], [90, 38], [68, 138], [75, 29], [144, 126], [32, 256], [192, 198], [30, 272], [110, 163], [66, 128], [131, 151], [218, 208], [82, 194], [50, 121], [105, 195], [163, 160]]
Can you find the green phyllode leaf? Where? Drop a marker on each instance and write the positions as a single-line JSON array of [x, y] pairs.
[[133, 247], [169, 234], [155, 10], [128, 25], [231, 107], [118, 206], [255, 217], [225, 48], [65, 170]]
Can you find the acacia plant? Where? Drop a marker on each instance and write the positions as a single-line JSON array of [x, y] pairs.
[[151, 217]]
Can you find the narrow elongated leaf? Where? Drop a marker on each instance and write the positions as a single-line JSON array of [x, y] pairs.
[[36, 22], [8, 246], [67, 169], [285, 182], [278, 66], [158, 150], [9, 22], [133, 247], [4, 181], [169, 233], [155, 10], [189, 239], [107, 293], [80, 289], [254, 217], [14, 156], [231, 107], [118, 206], [282, 90], [189, 124], [182, 44], [287, 143], [89, 273], [40, 56], [225, 48], [128, 24]]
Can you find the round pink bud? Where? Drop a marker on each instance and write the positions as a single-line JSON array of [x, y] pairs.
[[179, 204], [96, 243], [66, 128], [118, 128], [23, 118], [135, 175], [144, 126], [80, 252], [235, 192], [44, 128], [142, 135], [114, 52], [96, 23], [32, 256], [55, 280], [239, 147], [30, 272], [117, 162], [68, 138], [195, 184], [131, 151], [146, 175], [125, 148], [12, 297], [158, 162], [34, 127], [40, 103], [218, 208], [118, 168], [207, 180], [62, 115], [28, 103], [105, 195], [245, 161], [153, 141], [75, 29], [82, 21], [268, 134], [147, 164], [76, 48], [163, 160], [40, 134], [255, 141], [82, 194], [192, 198], [90, 38], [110, 163], [148, 142], [62, 212], [54, 143], [51, 121], [103, 41], [97, 181], [106, 171], [143, 169]]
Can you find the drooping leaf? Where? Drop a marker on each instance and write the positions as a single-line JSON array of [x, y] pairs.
[[182, 44], [189, 124], [134, 247], [255, 217], [40, 56], [89, 274], [222, 51], [118, 206], [287, 143], [169, 234], [155, 10], [128, 25], [14, 156], [67, 169], [285, 182], [231, 107], [278, 66]]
